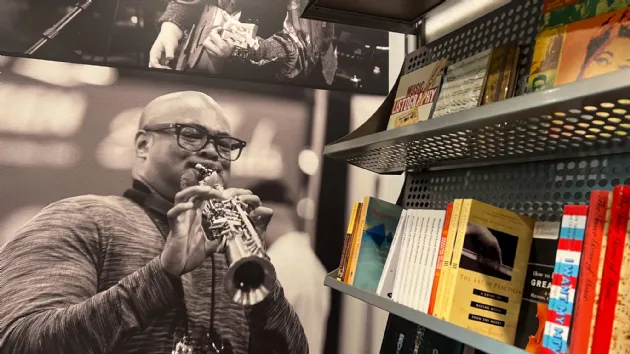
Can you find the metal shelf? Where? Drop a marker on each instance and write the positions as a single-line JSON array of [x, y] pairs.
[[402, 16], [473, 339], [585, 118]]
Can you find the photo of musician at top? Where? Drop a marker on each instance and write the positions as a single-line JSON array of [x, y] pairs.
[[489, 252], [249, 40]]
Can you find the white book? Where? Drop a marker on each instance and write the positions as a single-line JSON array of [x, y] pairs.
[[414, 261], [407, 262], [418, 280], [437, 225], [386, 283], [400, 264]]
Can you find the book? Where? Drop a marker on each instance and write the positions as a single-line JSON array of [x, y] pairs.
[[435, 223], [608, 301], [546, 59], [416, 95], [594, 46], [599, 210], [379, 222], [463, 84], [602, 262], [448, 255], [353, 257], [388, 277], [440, 258], [490, 273], [501, 78], [533, 313], [347, 243], [564, 281], [405, 337], [562, 12], [401, 267]]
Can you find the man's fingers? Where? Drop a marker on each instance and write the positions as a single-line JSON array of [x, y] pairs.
[[212, 48], [199, 192], [178, 209], [169, 51], [261, 216], [234, 192], [253, 201]]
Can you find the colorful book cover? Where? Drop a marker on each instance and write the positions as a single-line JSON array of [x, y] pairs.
[[599, 209], [533, 314], [607, 313], [416, 95], [546, 59], [595, 46], [563, 12], [491, 271], [379, 227], [564, 282]]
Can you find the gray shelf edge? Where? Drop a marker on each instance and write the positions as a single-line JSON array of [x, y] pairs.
[[473, 339], [490, 114]]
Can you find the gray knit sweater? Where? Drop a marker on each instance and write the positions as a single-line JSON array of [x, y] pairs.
[[84, 276]]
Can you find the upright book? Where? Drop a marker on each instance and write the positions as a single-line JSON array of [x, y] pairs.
[[380, 220], [488, 270]]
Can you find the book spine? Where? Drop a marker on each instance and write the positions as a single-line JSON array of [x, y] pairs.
[[356, 244], [612, 269], [440, 258], [347, 241], [448, 252], [457, 254], [436, 231], [412, 274], [564, 280], [587, 279], [600, 269], [401, 266]]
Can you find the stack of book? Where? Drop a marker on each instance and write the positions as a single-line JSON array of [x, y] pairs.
[[541, 286]]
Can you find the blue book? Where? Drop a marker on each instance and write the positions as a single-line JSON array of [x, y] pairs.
[[381, 219]]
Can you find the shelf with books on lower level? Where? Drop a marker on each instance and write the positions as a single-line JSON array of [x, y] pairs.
[[473, 339], [585, 118]]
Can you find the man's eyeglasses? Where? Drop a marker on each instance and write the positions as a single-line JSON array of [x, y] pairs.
[[194, 138]]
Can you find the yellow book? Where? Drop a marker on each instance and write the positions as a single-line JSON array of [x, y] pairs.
[[457, 254], [491, 271], [347, 244], [448, 253], [356, 243]]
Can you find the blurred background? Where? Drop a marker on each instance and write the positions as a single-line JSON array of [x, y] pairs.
[[121, 32], [67, 129]]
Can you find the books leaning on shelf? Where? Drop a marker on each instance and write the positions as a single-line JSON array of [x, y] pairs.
[[578, 40]]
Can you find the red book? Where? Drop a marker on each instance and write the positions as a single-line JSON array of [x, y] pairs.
[[612, 269], [440, 258], [587, 278]]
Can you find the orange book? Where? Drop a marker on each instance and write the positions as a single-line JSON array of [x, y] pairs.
[[440, 258], [588, 277], [595, 46]]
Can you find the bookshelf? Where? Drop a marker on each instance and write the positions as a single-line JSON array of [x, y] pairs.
[[461, 334], [530, 154]]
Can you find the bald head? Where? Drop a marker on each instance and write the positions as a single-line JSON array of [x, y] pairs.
[[189, 107], [160, 160]]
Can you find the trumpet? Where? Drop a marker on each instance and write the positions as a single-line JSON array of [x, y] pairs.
[[250, 274]]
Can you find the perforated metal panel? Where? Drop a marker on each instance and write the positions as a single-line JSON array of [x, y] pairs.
[[517, 21], [537, 189]]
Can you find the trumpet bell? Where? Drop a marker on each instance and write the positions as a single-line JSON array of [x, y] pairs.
[[249, 280]]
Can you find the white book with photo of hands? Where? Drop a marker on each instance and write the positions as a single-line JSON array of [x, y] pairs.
[[386, 283]]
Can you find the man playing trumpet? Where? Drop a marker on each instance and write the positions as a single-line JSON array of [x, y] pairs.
[[137, 274]]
